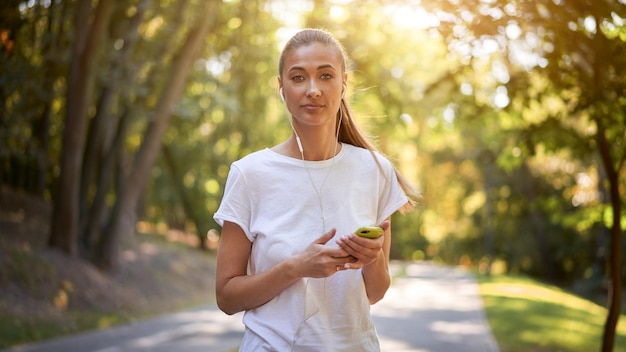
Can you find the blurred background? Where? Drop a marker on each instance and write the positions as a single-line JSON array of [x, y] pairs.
[[119, 118]]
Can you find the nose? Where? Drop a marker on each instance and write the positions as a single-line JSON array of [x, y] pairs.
[[313, 90]]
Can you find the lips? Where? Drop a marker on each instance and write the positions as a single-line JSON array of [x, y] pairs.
[[312, 106]]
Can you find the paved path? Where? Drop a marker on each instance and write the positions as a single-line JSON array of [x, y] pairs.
[[429, 309], [433, 308]]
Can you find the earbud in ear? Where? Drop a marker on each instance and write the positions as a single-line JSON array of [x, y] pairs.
[[282, 97], [343, 92]]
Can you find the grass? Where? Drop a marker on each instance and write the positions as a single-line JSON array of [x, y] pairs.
[[31, 329], [526, 315]]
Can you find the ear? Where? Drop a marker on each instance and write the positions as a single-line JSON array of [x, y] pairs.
[[280, 90]]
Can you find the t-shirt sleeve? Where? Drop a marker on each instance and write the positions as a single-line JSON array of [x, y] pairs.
[[391, 196], [235, 205]]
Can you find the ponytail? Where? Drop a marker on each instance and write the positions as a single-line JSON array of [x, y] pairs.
[[351, 133]]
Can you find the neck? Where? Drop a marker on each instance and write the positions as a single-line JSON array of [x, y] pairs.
[[318, 143], [314, 148]]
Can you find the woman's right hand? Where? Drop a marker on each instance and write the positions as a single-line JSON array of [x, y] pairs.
[[319, 260]]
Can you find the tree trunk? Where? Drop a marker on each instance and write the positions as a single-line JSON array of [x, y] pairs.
[[96, 217], [612, 166], [123, 217], [601, 245], [65, 218], [615, 286], [41, 127], [103, 125]]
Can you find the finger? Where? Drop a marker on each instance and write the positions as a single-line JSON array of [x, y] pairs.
[[361, 248], [357, 243], [354, 265], [337, 252], [344, 260], [348, 243], [325, 237]]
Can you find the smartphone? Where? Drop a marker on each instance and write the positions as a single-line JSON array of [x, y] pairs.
[[369, 231]]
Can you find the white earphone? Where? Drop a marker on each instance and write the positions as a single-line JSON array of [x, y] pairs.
[[282, 96]]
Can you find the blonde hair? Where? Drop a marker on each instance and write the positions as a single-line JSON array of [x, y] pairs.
[[349, 131]]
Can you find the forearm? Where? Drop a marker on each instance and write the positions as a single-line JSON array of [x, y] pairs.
[[376, 278], [250, 291], [237, 291]]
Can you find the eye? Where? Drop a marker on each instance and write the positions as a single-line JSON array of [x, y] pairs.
[[297, 78], [326, 76]]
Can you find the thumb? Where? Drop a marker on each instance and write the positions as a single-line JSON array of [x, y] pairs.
[[385, 225], [325, 237]]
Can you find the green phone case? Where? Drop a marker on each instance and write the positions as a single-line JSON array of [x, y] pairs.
[[369, 231]]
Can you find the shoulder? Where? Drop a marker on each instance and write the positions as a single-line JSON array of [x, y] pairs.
[[367, 157], [253, 159], [264, 164]]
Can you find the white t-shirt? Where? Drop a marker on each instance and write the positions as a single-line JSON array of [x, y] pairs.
[[271, 197]]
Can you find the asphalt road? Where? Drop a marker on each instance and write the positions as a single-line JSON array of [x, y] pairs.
[[429, 309]]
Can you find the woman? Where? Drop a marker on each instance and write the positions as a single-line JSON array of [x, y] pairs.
[[288, 256]]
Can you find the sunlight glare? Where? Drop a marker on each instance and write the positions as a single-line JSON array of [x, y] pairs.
[[397, 72], [496, 14], [522, 54], [337, 13], [510, 10], [467, 16], [466, 88], [590, 24], [500, 72], [501, 98], [411, 17], [513, 31], [485, 48], [290, 13], [449, 114], [216, 66], [406, 118]]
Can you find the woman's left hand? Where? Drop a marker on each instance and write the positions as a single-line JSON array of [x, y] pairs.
[[365, 250]]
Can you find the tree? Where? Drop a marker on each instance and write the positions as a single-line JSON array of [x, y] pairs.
[[573, 51], [89, 36], [229, 110], [124, 217], [71, 217]]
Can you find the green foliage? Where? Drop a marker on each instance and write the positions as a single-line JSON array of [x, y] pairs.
[[225, 114], [531, 80]]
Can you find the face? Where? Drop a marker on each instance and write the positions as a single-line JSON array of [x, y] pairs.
[[312, 82]]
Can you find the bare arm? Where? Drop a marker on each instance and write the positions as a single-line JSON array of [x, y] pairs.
[[237, 291], [373, 256]]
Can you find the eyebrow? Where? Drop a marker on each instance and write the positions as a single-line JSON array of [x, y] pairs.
[[321, 67]]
